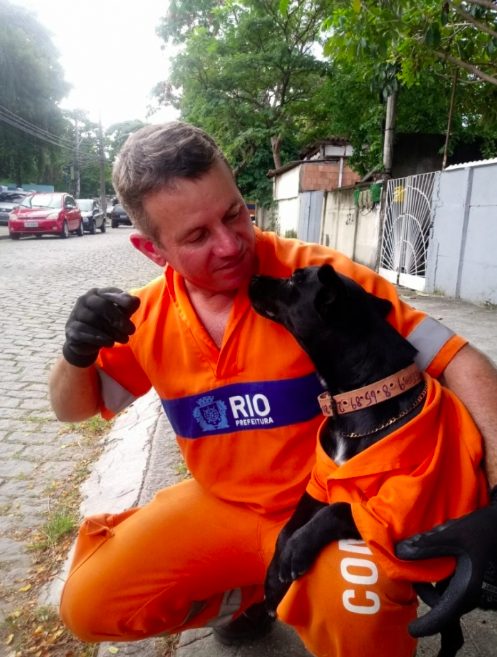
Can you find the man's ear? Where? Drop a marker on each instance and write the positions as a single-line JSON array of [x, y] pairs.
[[149, 249]]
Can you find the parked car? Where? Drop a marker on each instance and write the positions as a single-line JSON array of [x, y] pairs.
[[40, 214], [110, 203], [92, 214], [8, 201], [118, 216]]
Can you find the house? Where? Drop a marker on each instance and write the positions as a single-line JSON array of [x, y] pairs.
[[299, 187]]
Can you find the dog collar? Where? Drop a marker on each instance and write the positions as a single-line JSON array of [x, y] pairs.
[[372, 394]]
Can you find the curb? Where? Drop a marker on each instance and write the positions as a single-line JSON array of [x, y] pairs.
[[146, 426]]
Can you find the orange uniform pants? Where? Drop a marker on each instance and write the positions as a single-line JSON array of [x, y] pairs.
[[188, 559]]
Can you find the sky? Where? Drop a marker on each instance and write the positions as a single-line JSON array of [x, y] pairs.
[[110, 54]]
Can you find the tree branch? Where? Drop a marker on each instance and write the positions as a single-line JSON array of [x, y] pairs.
[[468, 67], [488, 4], [482, 27]]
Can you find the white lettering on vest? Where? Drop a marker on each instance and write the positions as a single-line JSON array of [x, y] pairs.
[[247, 406], [354, 599], [356, 545], [370, 577], [348, 597]]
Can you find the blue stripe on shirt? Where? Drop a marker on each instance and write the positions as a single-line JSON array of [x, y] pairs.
[[245, 407]]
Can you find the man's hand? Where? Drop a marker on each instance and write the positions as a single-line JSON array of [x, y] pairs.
[[472, 539], [99, 318]]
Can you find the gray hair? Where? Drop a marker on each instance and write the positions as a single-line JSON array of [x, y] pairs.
[[153, 158]]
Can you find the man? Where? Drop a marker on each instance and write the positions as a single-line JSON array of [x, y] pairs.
[[240, 395]]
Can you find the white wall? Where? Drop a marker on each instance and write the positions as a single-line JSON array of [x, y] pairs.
[[462, 254], [288, 215], [352, 230], [286, 195], [287, 184]]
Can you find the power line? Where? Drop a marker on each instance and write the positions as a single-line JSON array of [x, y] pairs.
[[16, 121], [21, 121], [79, 158], [30, 128]]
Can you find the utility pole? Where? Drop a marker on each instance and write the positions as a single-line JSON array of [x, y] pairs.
[[101, 161], [389, 135], [449, 120], [77, 173]]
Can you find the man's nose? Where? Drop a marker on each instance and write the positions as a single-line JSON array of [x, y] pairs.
[[227, 242]]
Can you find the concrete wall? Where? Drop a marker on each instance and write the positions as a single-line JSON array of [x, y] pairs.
[[350, 228], [290, 186], [287, 185], [286, 194], [462, 254], [288, 216]]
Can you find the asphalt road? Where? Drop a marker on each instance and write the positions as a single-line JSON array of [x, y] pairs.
[[40, 280]]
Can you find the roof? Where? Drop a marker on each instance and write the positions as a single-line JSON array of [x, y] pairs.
[[295, 163], [476, 163], [315, 146], [285, 167]]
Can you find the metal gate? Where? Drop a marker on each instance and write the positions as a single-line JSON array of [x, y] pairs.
[[311, 208], [406, 229]]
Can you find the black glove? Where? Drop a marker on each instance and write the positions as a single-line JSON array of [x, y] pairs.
[[472, 539], [99, 318]]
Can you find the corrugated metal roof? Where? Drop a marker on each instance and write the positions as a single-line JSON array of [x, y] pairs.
[[476, 163]]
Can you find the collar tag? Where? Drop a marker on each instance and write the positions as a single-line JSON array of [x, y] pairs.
[[375, 393]]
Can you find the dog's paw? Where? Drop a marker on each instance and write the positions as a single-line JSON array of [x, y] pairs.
[[274, 594], [296, 560]]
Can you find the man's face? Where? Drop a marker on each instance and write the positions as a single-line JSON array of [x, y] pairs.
[[204, 230]]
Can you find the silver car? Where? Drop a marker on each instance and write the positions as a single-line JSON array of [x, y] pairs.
[[8, 201]]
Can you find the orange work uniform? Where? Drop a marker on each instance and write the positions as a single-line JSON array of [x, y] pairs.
[[246, 417], [420, 475]]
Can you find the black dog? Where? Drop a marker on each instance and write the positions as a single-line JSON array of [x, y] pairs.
[[344, 331]]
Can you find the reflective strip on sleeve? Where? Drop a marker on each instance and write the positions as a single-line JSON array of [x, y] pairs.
[[114, 396], [428, 338]]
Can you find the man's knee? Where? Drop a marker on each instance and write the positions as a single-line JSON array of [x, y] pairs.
[[82, 611]]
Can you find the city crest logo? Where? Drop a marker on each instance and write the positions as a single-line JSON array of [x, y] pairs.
[[211, 414]]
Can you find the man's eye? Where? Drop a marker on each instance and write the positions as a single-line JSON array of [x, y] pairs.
[[235, 213], [196, 237]]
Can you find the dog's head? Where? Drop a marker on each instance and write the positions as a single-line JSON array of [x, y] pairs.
[[317, 302]]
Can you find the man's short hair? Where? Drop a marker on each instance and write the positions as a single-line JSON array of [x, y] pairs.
[[153, 158]]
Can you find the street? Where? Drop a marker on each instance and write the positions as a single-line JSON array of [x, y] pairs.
[[40, 280]]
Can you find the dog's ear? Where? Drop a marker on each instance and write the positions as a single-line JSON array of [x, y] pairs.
[[329, 278], [382, 306]]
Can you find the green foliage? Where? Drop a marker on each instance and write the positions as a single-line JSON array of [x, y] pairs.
[[246, 73], [59, 523], [414, 48], [32, 83], [117, 134]]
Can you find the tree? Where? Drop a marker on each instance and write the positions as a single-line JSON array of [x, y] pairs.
[[246, 72], [32, 83], [414, 49], [82, 164], [117, 133]]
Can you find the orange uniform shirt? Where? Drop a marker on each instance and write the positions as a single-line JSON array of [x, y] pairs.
[[246, 414], [419, 476]]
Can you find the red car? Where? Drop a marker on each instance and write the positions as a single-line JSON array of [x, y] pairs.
[[54, 213]]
